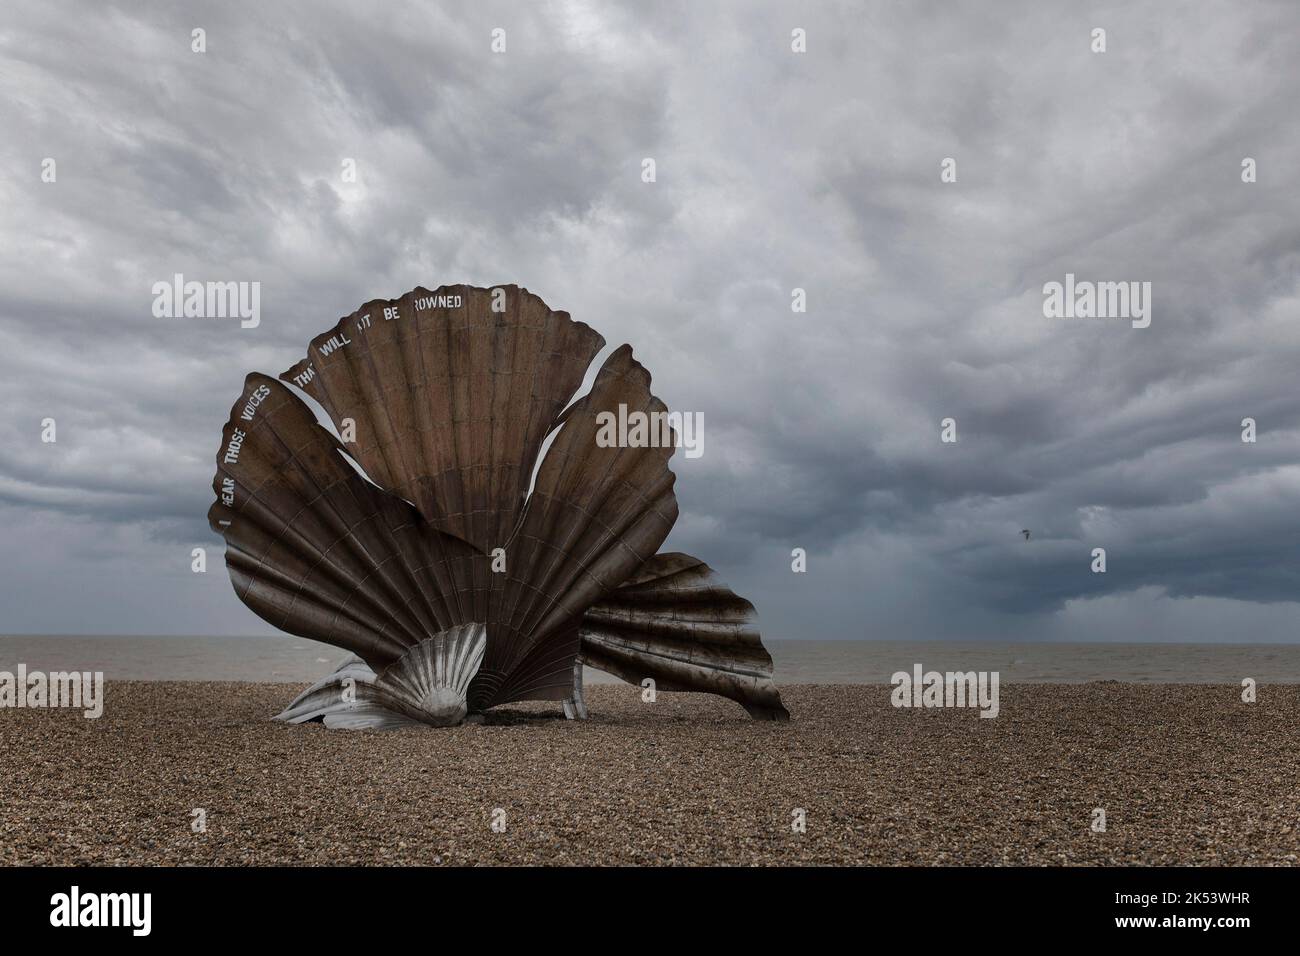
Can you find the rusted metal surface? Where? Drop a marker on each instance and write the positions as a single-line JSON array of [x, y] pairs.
[[575, 706], [677, 624], [431, 560]]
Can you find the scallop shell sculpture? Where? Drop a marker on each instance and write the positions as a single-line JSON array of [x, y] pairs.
[[424, 546]]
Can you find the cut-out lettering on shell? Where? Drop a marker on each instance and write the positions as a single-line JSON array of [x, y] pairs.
[[384, 545]]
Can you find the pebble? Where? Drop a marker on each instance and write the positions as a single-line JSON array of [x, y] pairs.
[[1186, 774]]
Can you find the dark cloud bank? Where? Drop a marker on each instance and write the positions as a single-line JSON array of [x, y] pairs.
[[775, 170]]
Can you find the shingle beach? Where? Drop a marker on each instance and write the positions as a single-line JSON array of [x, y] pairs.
[[1186, 774]]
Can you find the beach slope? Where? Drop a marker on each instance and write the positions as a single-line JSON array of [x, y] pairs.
[[1184, 773]]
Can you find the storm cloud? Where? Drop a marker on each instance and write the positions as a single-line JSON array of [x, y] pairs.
[[776, 170]]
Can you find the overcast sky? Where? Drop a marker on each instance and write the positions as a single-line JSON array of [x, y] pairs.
[[775, 170]]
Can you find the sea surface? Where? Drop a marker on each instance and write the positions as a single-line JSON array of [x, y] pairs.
[[292, 659]]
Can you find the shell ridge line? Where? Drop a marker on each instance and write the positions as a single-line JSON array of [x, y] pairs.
[[493, 476], [331, 606], [568, 341], [383, 632], [379, 600], [418, 605], [327, 399], [703, 592], [424, 626], [497, 610], [469, 657], [618, 466], [420, 400], [494, 333], [441, 582], [428, 619], [629, 653], [456, 371], [612, 641], [453, 468], [559, 337], [383, 396], [387, 593], [627, 518], [648, 575], [358, 593], [550, 661], [381, 554], [454, 577], [264, 572], [554, 330], [330, 517], [337, 365], [539, 499], [276, 529], [731, 631], [519, 494], [453, 597], [440, 589], [363, 385]]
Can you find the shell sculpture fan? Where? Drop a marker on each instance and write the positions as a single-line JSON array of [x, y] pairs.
[[424, 545]]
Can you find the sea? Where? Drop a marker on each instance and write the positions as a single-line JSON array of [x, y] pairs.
[[286, 659]]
